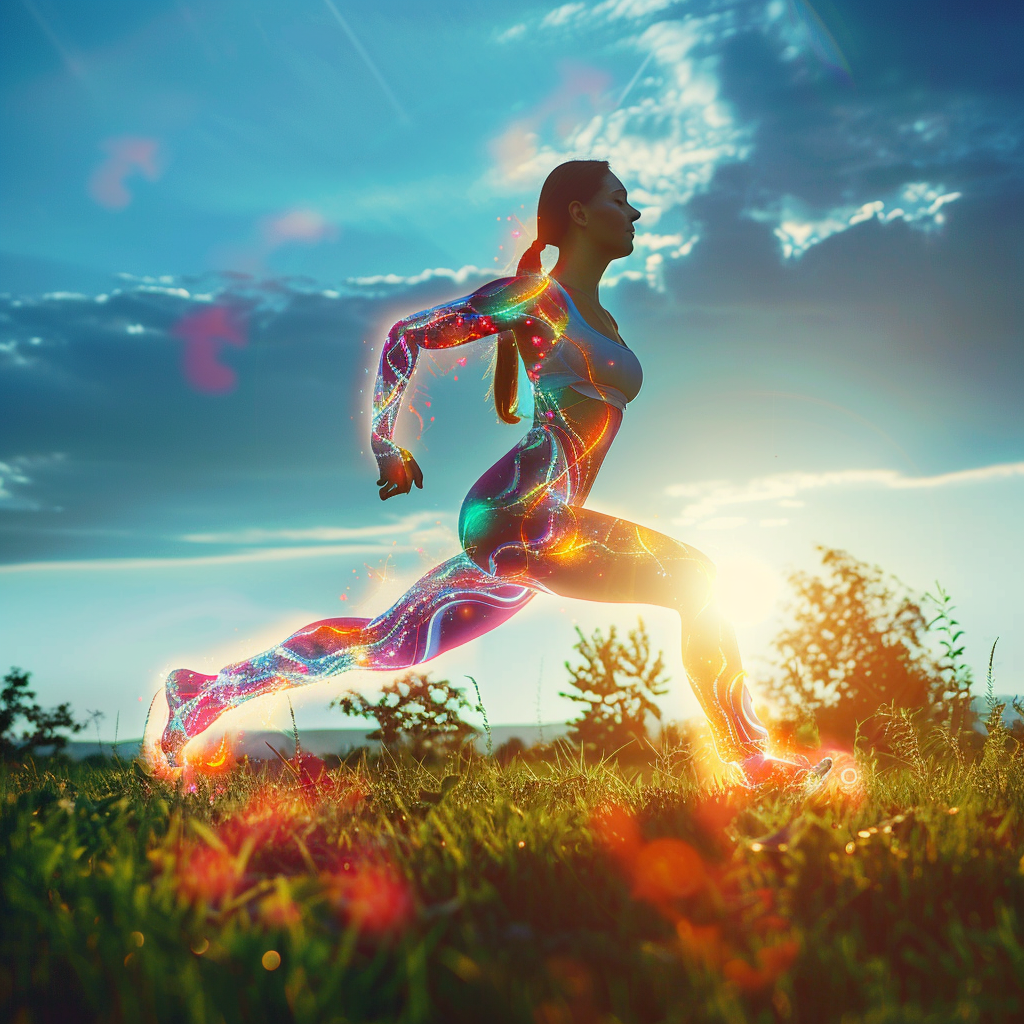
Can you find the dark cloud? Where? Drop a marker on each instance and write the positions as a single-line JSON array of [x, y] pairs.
[[146, 455]]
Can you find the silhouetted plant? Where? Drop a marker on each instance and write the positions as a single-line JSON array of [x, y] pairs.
[[414, 712], [860, 641], [39, 725], [617, 682]]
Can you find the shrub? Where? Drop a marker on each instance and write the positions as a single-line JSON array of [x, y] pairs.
[[617, 682], [414, 712], [860, 641], [17, 703]]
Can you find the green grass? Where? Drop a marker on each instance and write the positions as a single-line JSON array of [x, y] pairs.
[[536, 892]]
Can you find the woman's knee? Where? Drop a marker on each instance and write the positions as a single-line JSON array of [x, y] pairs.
[[694, 579]]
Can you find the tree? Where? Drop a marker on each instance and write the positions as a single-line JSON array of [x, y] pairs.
[[414, 712], [17, 701], [617, 684], [859, 641]]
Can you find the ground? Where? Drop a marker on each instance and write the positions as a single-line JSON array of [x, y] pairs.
[[542, 891]]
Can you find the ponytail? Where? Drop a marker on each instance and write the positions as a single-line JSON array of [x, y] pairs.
[[506, 379], [530, 261], [573, 180], [506, 366]]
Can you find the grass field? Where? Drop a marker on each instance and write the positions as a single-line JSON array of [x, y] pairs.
[[542, 892]]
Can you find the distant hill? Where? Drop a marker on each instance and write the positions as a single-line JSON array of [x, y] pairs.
[[325, 741]]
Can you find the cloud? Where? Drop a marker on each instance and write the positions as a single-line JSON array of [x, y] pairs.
[[14, 474], [255, 536], [668, 141], [919, 204], [509, 34], [562, 15], [287, 554], [460, 277], [767, 87], [665, 134], [164, 464], [783, 489]]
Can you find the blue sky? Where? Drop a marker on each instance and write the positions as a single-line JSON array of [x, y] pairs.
[[211, 212]]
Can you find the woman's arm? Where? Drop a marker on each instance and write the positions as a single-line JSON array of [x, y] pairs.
[[494, 308]]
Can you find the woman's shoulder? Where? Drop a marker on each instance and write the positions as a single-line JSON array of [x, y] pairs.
[[514, 293]]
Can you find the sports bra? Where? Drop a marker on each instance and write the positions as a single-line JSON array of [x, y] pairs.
[[590, 362]]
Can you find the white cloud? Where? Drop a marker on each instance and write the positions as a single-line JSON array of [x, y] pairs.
[[319, 533], [288, 554], [514, 32], [797, 229], [665, 142], [561, 15], [14, 474], [723, 523], [710, 497], [11, 473], [459, 276]]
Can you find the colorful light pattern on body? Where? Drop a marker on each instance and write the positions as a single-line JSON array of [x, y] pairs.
[[523, 527]]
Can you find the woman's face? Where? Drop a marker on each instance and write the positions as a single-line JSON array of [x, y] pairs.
[[607, 219]]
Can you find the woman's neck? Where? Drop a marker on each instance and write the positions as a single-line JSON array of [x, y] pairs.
[[581, 273]]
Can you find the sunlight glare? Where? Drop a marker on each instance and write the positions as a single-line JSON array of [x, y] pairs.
[[747, 589]]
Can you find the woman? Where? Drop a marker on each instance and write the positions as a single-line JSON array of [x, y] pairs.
[[523, 526]]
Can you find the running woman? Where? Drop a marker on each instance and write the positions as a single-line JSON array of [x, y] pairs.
[[524, 527]]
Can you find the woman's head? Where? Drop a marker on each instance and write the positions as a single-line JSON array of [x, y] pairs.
[[581, 204], [582, 199]]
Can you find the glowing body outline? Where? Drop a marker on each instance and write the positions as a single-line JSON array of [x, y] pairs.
[[522, 526]]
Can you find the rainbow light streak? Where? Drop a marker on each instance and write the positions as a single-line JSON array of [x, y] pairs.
[[523, 529]]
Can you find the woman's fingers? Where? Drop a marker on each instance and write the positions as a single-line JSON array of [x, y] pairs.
[[398, 479]]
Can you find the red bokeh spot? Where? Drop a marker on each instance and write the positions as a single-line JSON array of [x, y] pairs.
[[371, 896], [667, 869], [205, 333], [125, 156]]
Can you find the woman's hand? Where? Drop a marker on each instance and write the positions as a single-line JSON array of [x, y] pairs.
[[398, 472]]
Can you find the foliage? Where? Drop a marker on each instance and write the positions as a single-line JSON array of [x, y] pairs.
[[17, 702], [538, 892], [617, 682], [956, 673], [858, 642], [414, 712]]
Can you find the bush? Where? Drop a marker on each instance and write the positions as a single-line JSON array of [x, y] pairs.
[[617, 682], [860, 641], [414, 713], [17, 702]]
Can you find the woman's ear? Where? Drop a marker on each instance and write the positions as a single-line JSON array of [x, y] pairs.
[[578, 213]]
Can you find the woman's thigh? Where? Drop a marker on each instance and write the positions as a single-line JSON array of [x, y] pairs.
[[580, 553], [598, 557]]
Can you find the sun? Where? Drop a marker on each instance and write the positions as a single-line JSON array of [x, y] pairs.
[[747, 588]]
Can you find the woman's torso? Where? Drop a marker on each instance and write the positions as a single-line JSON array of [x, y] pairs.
[[581, 381], [585, 360]]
